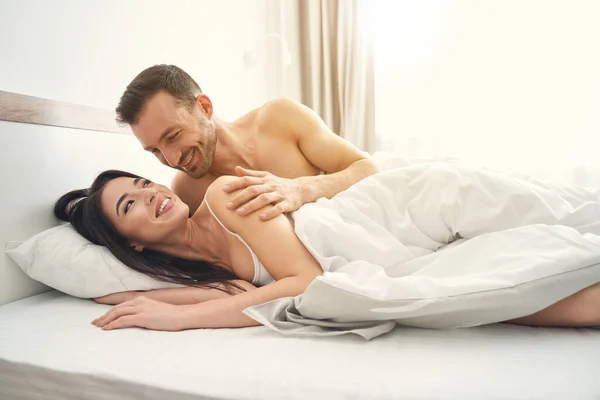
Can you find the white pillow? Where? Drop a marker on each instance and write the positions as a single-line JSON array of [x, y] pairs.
[[64, 260]]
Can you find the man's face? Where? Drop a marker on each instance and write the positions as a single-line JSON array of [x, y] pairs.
[[177, 137]]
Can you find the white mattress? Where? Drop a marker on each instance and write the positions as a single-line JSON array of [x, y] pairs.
[[49, 350]]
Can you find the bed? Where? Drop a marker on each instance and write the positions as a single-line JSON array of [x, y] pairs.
[[50, 350]]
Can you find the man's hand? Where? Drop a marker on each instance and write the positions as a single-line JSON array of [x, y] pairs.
[[261, 188]]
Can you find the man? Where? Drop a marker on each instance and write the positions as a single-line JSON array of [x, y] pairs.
[[278, 150]]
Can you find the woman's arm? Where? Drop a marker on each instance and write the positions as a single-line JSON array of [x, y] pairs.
[[228, 313], [176, 296], [276, 246], [219, 313]]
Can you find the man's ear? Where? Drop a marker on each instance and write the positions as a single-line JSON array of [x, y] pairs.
[[205, 104]]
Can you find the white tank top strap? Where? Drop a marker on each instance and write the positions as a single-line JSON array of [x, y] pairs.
[[257, 264]]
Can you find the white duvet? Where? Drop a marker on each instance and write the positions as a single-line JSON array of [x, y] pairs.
[[439, 245]]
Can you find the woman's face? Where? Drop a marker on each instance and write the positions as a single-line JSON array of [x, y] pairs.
[[146, 213]]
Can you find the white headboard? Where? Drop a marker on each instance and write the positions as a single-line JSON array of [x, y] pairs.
[[39, 163]]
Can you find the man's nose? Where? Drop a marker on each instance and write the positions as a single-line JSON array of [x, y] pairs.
[[172, 156]]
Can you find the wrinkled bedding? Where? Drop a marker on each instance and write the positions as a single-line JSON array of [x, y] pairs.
[[437, 244]]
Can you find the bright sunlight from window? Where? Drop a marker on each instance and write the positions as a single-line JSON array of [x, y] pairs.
[[512, 85]]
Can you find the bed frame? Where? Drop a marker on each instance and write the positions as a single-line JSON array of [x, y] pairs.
[[49, 349], [49, 148]]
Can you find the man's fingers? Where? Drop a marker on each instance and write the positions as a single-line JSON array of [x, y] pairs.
[[245, 196], [242, 182], [276, 210], [259, 202], [249, 172]]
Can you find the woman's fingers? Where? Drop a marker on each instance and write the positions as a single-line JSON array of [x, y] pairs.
[[144, 313], [127, 321], [115, 313]]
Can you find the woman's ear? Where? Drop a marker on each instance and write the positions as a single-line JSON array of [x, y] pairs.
[[137, 247]]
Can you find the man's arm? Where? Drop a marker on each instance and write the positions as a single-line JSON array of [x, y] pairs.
[[344, 163]]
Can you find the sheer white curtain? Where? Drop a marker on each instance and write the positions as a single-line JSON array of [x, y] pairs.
[[330, 65], [511, 85], [337, 66]]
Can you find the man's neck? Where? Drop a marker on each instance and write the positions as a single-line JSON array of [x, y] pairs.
[[230, 151]]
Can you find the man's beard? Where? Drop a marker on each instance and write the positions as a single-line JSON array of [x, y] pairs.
[[206, 152]]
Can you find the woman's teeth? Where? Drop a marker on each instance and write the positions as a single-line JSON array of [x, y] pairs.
[[163, 205]]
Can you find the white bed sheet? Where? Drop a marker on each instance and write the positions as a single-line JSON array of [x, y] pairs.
[[49, 350]]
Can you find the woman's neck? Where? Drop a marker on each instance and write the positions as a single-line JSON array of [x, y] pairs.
[[197, 241]]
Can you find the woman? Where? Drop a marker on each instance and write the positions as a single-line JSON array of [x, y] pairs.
[[132, 215], [217, 253]]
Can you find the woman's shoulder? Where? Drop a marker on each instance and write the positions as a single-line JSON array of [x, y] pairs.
[[216, 192], [217, 198]]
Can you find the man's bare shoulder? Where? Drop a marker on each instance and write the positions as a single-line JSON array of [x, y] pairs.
[[276, 114], [280, 104], [277, 118]]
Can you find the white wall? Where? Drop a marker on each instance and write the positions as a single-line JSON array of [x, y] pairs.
[[86, 52], [511, 84], [33, 177]]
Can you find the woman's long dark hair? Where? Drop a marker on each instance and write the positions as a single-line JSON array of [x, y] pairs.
[[82, 208]]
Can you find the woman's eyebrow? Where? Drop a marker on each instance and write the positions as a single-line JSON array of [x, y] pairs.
[[135, 182], [120, 201]]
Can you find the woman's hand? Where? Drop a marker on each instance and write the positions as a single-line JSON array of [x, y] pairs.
[[117, 298], [144, 313]]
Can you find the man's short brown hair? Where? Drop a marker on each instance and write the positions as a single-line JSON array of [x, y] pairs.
[[150, 81]]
